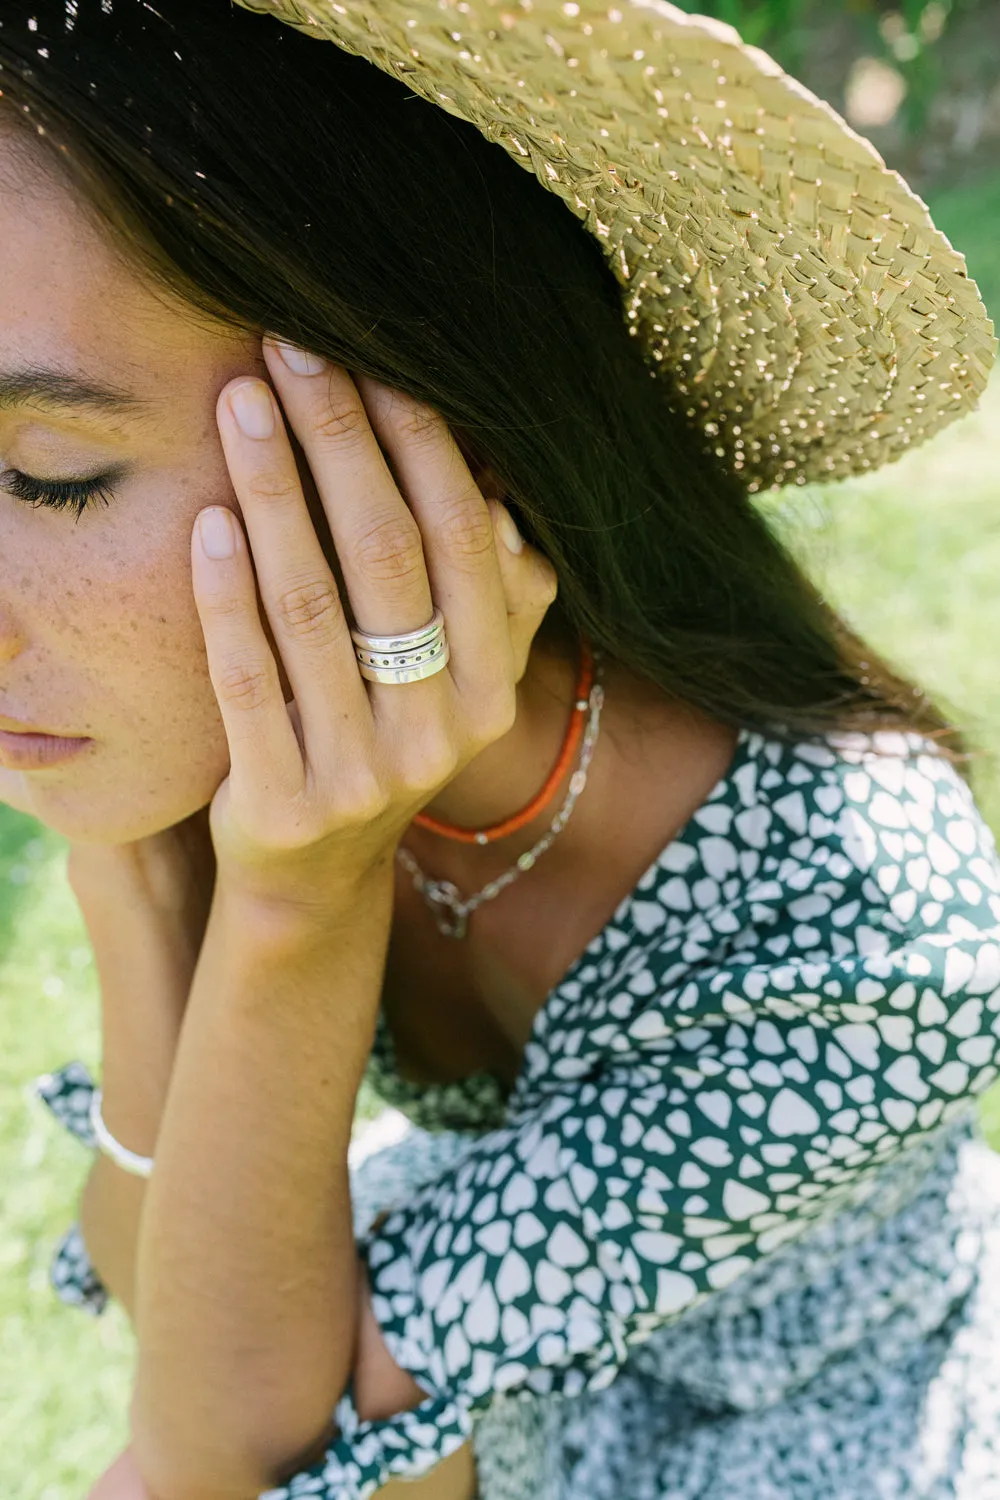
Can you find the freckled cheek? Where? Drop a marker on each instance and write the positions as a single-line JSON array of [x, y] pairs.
[[137, 581], [156, 606], [131, 607], [158, 600]]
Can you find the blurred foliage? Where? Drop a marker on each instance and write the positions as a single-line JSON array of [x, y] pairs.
[[904, 34], [968, 212]]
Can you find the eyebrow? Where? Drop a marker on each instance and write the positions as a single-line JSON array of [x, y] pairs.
[[56, 390]]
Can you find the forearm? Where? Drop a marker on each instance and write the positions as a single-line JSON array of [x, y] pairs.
[[247, 1279], [145, 961]]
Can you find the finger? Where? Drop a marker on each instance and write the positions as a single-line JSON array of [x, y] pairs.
[[530, 587], [297, 586], [459, 543], [376, 536], [263, 749]]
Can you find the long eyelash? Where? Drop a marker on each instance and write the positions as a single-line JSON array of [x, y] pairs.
[[67, 494]]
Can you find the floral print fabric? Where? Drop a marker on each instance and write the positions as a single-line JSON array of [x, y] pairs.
[[776, 1039]]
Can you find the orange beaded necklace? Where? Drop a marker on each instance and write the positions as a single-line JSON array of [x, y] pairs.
[[548, 791]]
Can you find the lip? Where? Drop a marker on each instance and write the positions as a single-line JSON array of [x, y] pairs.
[[22, 751]]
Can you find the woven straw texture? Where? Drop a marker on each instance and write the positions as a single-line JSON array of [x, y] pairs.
[[790, 290]]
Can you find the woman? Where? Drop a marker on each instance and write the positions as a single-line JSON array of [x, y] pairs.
[[692, 1204]]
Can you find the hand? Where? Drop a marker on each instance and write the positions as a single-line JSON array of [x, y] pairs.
[[321, 789], [171, 873]]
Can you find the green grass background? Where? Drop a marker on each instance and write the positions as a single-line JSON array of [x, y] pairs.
[[911, 555]]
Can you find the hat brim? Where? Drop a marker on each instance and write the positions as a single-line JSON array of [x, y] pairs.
[[793, 290]]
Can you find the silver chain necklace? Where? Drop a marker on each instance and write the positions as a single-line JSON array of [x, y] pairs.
[[451, 913]]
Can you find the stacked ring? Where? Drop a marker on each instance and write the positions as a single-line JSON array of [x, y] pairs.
[[394, 659]]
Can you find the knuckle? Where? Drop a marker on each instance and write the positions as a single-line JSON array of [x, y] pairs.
[[392, 549], [371, 802], [310, 609], [496, 721], [466, 528], [243, 684], [300, 828], [270, 485], [363, 799], [226, 606], [491, 713], [432, 758], [415, 422], [343, 424]]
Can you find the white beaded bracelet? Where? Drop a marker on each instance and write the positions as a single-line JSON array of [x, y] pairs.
[[142, 1166]]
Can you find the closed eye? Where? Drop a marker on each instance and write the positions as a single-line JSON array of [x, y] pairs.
[[62, 494]]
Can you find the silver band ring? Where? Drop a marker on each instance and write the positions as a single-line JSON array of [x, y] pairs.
[[392, 644], [396, 659], [392, 676]]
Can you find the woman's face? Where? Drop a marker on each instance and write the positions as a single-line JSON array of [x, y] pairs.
[[99, 635]]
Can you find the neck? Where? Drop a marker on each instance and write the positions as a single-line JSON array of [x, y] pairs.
[[655, 761], [505, 776]]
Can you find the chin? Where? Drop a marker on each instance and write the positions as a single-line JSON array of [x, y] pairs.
[[109, 815]]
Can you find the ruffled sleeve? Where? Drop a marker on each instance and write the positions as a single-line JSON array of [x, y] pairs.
[[67, 1093]]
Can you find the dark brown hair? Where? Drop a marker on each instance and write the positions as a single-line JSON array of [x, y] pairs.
[[285, 186]]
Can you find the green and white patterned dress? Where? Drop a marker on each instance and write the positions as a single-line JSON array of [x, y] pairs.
[[733, 1234]]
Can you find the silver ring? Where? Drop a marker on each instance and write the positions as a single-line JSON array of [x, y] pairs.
[[392, 644], [399, 658], [395, 659], [418, 672]]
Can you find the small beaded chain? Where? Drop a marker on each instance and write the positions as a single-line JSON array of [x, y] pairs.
[[439, 894]]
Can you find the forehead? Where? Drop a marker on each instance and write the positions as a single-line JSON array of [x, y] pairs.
[[68, 297]]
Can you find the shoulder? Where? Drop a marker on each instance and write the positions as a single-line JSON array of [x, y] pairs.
[[891, 817], [860, 854], [878, 822]]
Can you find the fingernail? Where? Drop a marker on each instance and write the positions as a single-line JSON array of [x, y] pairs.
[[299, 361], [253, 408], [217, 532], [513, 540]]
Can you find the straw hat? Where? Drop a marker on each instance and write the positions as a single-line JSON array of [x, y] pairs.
[[790, 289]]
